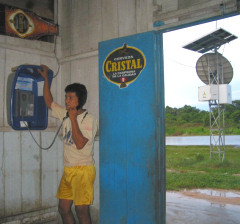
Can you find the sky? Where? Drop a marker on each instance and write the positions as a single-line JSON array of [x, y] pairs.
[[181, 79]]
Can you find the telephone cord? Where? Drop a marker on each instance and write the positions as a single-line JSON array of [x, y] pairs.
[[44, 148]]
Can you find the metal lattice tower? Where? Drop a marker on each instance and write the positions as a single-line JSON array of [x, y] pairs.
[[214, 70], [217, 130], [216, 112]]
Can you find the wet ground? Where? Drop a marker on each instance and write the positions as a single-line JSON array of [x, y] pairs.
[[203, 207]]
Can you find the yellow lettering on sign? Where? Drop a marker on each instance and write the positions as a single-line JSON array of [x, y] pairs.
[[128, 64], [123, 65], [133, 65], [114, 66], [139, 65], [107, 66], [118, 66]]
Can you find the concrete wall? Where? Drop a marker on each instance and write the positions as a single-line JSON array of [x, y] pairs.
[[169, 14], [84, 23], [29, 176]]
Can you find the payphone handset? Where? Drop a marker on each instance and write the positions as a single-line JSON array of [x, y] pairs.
[[27, 106]]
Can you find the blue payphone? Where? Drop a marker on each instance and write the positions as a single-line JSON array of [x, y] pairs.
[[26, 106]]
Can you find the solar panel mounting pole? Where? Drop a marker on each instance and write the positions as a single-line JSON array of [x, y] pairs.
[[216, 113]]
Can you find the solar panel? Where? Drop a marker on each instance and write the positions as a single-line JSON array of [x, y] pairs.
[[211, 41]]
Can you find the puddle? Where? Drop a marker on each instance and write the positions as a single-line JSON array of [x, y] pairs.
[[222, 197], [218, 193], [203, 206]]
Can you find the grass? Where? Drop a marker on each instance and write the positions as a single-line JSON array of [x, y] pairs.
[[191, 129], [186, 130], [189, 167]]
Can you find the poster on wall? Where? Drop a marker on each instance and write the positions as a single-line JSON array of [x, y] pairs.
[[123, 65]]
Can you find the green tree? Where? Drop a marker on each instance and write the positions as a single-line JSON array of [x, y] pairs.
[[190, 120], [236, 116]]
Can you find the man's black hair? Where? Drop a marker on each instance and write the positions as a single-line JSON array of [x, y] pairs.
[[80, 91]]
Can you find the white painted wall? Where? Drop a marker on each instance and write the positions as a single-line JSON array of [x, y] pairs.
[[84, 23], [28, 176]]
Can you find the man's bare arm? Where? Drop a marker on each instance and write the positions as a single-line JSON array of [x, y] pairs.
[[46, 88]]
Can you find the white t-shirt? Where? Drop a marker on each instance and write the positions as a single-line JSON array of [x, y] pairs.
[[88, 126]]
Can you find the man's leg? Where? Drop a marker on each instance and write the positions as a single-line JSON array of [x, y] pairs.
[[64, 208], [83, 214]]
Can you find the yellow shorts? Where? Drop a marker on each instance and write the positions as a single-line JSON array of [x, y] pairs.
[[77, 184]]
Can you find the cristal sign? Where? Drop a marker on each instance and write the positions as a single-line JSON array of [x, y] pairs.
[[123, 65]]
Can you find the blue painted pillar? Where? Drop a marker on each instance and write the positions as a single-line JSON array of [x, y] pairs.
[[132, 141]]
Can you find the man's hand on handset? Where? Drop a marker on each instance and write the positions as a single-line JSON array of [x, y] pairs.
[[72, 113], [44, 71]]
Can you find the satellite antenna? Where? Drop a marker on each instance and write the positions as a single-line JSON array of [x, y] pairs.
[[216, 72], [207, 68]]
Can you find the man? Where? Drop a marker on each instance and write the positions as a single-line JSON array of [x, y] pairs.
[[79, 129]]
